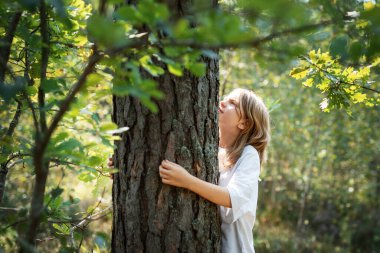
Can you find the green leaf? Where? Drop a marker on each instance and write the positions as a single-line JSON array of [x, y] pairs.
[[197, 68], [182, 29], [173, 51], [56, 192], [31, 90], [146, 63], [50, 85], [106, 32], [94, 161], [60, 137], [338, 47], [9, 91], [299, 73], [356, 50], [175, 69], [107, 126], [129, 13], [153, 12], [86, 177], [308, 82], [68, 145], [101, 183], [62, 228]]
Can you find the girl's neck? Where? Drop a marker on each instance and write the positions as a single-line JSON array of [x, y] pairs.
[[226, 140]]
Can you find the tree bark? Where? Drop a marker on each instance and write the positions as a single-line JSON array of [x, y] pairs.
[[150, 216]]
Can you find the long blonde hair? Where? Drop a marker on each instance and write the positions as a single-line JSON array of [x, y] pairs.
[[257, 127]]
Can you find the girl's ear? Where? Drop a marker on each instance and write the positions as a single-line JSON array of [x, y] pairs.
[[242, 125]]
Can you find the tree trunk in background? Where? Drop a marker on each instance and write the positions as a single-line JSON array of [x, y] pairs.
[[150, 216]]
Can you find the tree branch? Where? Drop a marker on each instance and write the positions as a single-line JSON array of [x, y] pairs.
[[35, 121], [45, 50], [6, 43], [93, 60], [3, 166], [87, 221], [255, 43]]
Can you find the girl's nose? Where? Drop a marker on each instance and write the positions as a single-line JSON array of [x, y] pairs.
[[222, 104]]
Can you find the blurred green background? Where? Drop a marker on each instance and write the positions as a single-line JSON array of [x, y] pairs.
[[320, 188]]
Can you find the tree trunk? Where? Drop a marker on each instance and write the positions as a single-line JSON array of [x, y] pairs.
[[150, 216]]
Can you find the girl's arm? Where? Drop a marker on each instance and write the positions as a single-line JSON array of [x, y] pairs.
[[174, 174]]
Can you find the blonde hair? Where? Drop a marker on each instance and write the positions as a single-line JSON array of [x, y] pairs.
[[257, 127]]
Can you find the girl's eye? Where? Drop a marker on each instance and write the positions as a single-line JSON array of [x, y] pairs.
[[233, 102]]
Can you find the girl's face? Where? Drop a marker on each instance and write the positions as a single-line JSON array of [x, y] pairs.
[[230, 123], [228, 111]]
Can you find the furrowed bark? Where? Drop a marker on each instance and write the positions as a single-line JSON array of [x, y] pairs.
[[150, 216]]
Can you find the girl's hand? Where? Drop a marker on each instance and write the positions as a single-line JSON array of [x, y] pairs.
[[174, 174]]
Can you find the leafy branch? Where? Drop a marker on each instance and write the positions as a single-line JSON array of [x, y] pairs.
[[332, 77]]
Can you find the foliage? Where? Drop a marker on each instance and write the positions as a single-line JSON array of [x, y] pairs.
[[60, 62], [341, 85]]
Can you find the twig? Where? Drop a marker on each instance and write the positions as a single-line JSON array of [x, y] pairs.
[[57, 162], [90, 214], [35, 121], [46, 239], [13, 224], [86, 221], [10, 208], [70, 45]]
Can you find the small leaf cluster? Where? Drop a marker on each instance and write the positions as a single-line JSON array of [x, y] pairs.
[[340, 85]]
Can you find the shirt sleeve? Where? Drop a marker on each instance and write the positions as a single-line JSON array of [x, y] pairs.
[[243, 186]]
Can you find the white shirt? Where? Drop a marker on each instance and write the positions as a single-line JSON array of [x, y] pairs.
[[242, 184]]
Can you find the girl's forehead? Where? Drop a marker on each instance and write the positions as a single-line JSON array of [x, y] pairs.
[[234, 96]]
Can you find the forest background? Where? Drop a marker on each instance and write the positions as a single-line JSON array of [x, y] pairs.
[[315, 63]]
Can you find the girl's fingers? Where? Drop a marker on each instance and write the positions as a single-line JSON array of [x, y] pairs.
[[163, 171], [169, 162], [166, 166], [165, 181], [163, 163]]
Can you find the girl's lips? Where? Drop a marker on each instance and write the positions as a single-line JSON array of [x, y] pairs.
[[220, 110]]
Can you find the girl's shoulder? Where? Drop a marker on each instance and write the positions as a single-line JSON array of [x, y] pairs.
[[249, 155], [249, 150], [249, 161]]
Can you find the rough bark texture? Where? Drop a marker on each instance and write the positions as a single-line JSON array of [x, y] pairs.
[[150, 216]]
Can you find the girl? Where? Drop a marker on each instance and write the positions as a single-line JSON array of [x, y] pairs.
[[243, 138]]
